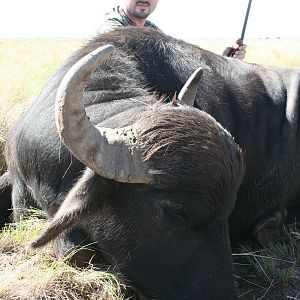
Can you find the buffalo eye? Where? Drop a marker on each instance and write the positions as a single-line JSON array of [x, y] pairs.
[[176, 217]]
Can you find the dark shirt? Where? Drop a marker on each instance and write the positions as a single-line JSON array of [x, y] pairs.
[[116, 18]]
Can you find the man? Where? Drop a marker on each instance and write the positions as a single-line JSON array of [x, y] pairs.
[[136, 12], [130, 13]]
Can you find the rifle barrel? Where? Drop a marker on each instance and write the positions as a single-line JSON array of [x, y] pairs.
[[246, 20]]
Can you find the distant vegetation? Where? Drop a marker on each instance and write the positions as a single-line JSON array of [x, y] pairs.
[[272, 273], [277, 52], [25, 67]]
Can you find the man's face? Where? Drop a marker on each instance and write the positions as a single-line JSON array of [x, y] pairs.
[[140, 8]]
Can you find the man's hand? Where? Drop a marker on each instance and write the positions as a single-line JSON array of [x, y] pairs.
[[238, 50]]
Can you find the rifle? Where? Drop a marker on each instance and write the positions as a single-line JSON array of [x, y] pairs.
[[241, 39]]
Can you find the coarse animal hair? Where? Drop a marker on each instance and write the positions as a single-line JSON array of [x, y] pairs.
[[188, 150]]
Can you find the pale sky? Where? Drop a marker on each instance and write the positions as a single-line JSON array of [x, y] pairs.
[[183, 19]]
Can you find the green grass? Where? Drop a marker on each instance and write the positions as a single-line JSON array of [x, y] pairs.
[[272, 272]]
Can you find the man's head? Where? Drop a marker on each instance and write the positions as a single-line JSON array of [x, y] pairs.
[[139, 9]]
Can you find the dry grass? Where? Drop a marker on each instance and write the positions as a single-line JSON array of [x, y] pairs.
[[25, 67], [39, 275], [276, 52]]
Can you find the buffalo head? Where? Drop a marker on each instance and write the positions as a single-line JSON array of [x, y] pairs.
[[156, 195]]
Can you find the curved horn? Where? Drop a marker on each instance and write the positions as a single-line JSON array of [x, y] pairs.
[[112, 153], [189, 90]]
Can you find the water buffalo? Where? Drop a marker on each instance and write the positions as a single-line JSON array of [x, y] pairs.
[[148, 179]]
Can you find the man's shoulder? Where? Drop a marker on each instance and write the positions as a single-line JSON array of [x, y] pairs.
[[118, 16], [151, 25]]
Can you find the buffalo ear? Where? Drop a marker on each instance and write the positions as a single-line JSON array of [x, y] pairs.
[[189, 90], [79, 205]]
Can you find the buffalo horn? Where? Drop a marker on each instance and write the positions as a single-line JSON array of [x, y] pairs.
[[188, 93], [112, 153]]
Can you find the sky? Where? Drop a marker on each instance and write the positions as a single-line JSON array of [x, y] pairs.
[[182, 19]]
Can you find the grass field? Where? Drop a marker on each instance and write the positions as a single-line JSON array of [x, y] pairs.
[[277, 52], [25, 65]]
